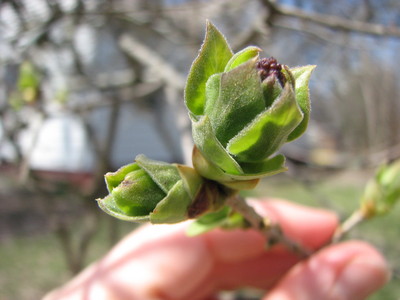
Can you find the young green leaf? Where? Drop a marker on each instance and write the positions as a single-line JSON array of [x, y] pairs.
[[208, 222], [213, 57], [269, 130], [207, 143], [242, 57], [302, 78], [240, 101]]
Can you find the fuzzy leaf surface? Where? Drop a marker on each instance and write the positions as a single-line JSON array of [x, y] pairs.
[[213, 56]]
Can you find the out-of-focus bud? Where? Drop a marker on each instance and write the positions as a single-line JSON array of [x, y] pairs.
[[159, 192], [28, 82], [27, 88], [382, 191], [243, 109]]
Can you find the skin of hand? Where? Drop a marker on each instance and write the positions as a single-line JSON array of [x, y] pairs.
[[162, 262]]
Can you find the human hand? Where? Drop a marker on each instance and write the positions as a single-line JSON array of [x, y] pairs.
[[162, 262]]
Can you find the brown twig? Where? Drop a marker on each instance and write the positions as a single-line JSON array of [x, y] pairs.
[[356, 218], [333, 22], [272, 231]]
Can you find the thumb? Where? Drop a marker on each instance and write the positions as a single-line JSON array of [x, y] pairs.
[[346, 271]]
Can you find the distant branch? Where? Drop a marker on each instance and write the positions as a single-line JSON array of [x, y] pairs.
[[150, 58], [331, 21], [135, 92]]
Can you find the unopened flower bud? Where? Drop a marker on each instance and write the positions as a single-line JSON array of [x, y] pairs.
[[243, 109], [159, 192]]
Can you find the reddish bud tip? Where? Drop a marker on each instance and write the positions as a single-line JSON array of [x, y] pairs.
[[270, 67]]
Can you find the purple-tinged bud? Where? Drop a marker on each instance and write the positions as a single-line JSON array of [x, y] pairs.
[[268, 67]]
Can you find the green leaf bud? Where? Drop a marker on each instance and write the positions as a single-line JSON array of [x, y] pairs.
[[382, 191], [243, 109], [154, 191]]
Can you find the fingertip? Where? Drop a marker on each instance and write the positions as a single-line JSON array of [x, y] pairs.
[[348, 271], [364, 272]]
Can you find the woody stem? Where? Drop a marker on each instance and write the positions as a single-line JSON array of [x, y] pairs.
[[356, 218], [272, 231]]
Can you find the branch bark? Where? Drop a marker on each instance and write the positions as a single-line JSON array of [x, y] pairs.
[[272, 231], [333, 22], [153, 60]]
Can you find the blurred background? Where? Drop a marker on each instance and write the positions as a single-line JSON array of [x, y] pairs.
[[86, 85]]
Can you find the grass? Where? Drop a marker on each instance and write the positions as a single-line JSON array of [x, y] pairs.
[[26, 268], [31, 266]]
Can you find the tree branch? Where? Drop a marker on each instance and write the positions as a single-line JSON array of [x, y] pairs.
[[165, 71], [333, 22]]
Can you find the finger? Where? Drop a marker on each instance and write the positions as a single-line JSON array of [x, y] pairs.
[[241, 258], [346, 271]]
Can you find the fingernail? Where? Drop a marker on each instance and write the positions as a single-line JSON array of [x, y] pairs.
[[360, 277]]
